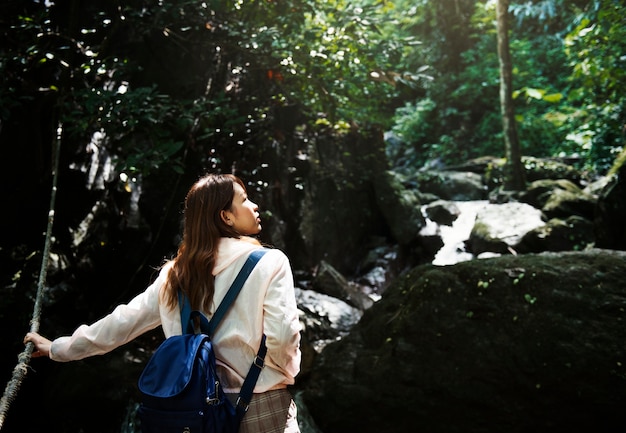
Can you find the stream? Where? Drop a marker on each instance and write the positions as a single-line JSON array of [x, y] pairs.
[[454, 236]]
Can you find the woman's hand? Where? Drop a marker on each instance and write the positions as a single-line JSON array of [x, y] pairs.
[[42, 344]]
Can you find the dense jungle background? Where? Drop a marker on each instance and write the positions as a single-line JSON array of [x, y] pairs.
[[345, 119]]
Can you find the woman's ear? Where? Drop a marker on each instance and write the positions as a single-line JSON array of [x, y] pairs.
[[224, 215]]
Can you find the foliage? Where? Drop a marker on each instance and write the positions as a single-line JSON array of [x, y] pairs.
[[334, 62], [568, 66], [163, 79], [596, 48], [413, 125], [185, 85]]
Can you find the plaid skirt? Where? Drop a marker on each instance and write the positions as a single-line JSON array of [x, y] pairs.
[[270, 412]]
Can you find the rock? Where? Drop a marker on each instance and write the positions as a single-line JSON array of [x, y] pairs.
[[610, 215], [442, 212], [534, 169], [378, 269], [542, 168], [563, 203], [570, 234], [501, 195], [538, 192], [559, 198], [529, 343], [339, 211], [400, 206], [305, 421], [431, 242], [499, 227], [426, 197], [479, 165], [324, 319], [330, 282], [452, 185], [333, 317], [595, 188]]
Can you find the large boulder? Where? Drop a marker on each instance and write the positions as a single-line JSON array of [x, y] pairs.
[[500, 227], [559, 198], [400, 206], [529, 343], [340, 215], [562, 204], [452, 185], [331, 282], [534, 169], [569, 234], [538, 192], [442, 212], [324, 319], [550, 168], [611, 208]]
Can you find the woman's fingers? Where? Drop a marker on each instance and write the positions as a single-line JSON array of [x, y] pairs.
[[42, 344]]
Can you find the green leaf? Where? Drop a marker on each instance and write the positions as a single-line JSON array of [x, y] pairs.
[[553, 97], [535, 93]]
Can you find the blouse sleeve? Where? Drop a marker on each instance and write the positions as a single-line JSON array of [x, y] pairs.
[[281, 322], [124, 324]]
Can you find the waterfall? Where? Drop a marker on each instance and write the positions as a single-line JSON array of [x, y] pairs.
[[454, 236]]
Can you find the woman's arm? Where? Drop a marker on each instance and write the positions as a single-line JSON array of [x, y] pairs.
[[125, 323], [281, 320]]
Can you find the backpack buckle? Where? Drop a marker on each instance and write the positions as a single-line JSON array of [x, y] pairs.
[[211, 401], [240, 403], [259, 362], [215, 400]]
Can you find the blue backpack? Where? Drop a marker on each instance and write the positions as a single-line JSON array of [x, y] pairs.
[[180, 389]]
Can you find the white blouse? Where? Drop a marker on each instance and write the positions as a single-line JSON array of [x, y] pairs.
[[266, 304]]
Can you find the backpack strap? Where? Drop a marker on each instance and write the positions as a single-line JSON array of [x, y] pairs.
[[245, 394], [185, 313], [234, 290], [208, 327]]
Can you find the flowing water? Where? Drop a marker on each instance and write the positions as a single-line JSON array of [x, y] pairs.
[[454, 236]]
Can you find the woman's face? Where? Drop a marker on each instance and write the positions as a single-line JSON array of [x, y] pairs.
[[243, 215]]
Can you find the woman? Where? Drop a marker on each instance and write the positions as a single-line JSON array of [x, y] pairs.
[[219, 218]]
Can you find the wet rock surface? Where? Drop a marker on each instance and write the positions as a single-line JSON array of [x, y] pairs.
[[511, 344]]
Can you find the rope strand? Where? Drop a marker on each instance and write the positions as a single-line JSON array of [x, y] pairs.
[[20, 370]]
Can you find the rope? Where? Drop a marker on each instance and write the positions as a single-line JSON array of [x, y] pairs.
[[20, 370]]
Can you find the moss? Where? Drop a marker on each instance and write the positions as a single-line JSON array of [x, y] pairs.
[[619, 162]]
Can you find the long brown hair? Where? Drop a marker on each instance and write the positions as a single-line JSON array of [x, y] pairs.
[[192, 268]]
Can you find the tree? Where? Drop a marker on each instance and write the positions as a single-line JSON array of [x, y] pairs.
[[596, 50], [514, 177]]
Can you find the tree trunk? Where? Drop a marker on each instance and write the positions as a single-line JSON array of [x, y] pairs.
[[514, 170]]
